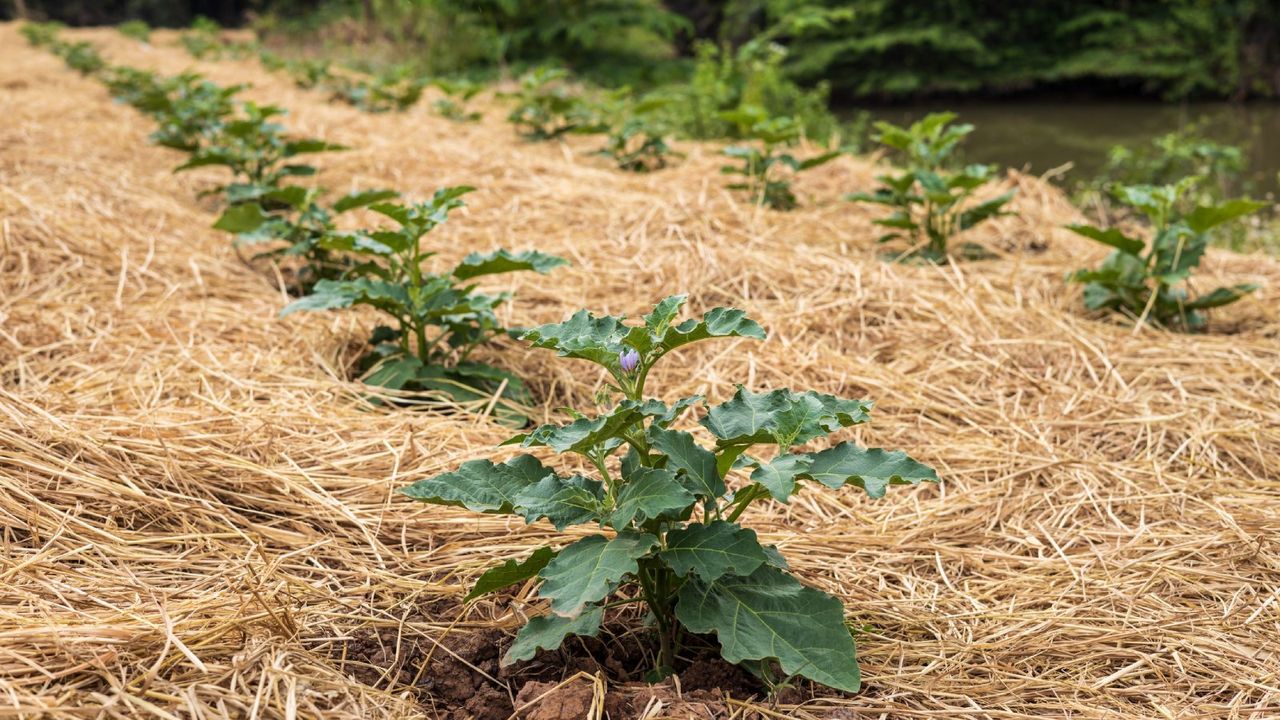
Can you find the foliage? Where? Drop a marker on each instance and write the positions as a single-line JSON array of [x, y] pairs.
[[377, 94], [637, 140], [41, 34], [929, 201], [298, 228], [137, 29], [188, 109], [1170, 48], [1173, 156], [458, 93], [203, 40], [1143, 282], [759, 163], [309, 73], [675, 545], [547, 108], [80, 56], [257, 152], [439, 318], [725, 80]]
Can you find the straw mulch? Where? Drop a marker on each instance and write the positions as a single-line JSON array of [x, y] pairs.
[[196, 514]]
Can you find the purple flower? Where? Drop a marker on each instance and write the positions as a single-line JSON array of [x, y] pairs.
[[629, 359]]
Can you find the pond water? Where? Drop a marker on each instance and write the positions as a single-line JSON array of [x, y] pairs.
[[1039, 135]]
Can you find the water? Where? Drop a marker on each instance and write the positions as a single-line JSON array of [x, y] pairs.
[[1039, 135]]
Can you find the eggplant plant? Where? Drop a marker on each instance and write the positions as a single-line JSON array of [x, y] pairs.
[[80, 56], [297, 228], [759, 164], [638, 143], [439, 319], [379, 94], [546, 109], [41, 34], [667, 506], [188, 109], [457, 93], [257, 152], [1147, 283], [203, 41], [930, 202]]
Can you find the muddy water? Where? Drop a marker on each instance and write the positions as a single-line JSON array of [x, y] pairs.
[[1040, 135]]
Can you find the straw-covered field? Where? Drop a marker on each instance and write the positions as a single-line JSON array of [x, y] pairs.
[[199, 517]]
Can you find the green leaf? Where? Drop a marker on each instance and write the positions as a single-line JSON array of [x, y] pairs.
[[242, 218], [648, 494], [782, 417], [511, 572], [697, 464], [590, 569], [872, 469], [1221, 296], [1110, 236], [983, 211], [362, 198], [1207, 217], [711, 551], [299, 147], [480, 485], [583, 336], [395, 373], [502, 261], [770, 615], [663, 314], [584, 434], [562, 501], [548, 632], [779, 476], [718, 322]]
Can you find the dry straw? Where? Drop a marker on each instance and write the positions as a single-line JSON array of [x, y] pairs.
[[194, 512]]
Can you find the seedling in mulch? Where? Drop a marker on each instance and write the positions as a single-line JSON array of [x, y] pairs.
[[929, 201], [41, 34], [379, 94], [546, 108], [1148, 284], [257, 152], [668, 505], [188, 109], [759, 164], [203, 41], [439, 319], [638, 143], [80, 56], [453, 105]]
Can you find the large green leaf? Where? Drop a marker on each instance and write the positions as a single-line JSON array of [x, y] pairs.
[[362, 198], [583, 434], [1207, 217], [779, 475], [583, 336], [872, 469], [1221, 296], [647, 494], [511, 572], [548, 632], [1110, 236], [710, 551], [770, 615], [591, 568], [480, 485], [698, 465], [562, 501], [717, 323], [503, 261], [242, 218], [782, 417]]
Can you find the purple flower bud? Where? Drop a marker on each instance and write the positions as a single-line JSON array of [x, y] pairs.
[[629, 359]]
